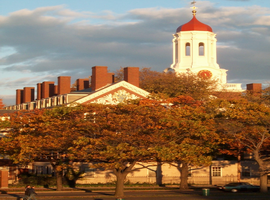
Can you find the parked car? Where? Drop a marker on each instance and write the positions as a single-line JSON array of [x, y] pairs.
[[241, 186], [219, 187]]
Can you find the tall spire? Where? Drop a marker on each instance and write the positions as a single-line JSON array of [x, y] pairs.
[[193, 7]]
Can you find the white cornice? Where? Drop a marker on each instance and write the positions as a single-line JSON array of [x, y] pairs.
[[101, 92]]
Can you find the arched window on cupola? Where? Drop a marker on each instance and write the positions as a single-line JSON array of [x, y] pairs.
[[187, 49], [201, 49]]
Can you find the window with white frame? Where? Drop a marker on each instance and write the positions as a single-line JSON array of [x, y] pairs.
[[216, 171]]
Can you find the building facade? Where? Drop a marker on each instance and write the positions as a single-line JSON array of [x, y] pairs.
[[103, 90]]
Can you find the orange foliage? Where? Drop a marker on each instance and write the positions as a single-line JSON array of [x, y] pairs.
[[1, 104], [247, 124]]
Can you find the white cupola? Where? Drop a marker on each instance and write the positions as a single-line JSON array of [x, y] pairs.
[[194, 50]]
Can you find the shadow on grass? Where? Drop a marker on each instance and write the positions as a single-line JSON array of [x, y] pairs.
[[83, 189], [106, 194], [12, 195]]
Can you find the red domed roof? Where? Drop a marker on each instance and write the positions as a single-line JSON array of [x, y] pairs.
[[194, 25]]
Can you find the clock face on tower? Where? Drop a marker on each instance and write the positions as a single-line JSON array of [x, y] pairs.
[[205, 74]]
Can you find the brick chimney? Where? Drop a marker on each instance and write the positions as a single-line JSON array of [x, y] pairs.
[[19, 96], [110, 78], [254, 88], [131, 75], [82, 84], [99, 77], [55, 90], [39, 91], [47, 89], [63, 85], [28, 94]]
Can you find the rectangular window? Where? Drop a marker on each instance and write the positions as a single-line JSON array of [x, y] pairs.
[[216, 171], [90, 172], [189, 172], [245, 171]]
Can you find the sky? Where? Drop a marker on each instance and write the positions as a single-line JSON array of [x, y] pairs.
[[41, 40]]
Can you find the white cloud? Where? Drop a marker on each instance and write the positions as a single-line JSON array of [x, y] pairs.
[[53, 41]]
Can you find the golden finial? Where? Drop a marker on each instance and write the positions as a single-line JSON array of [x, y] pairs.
[[194, 7]]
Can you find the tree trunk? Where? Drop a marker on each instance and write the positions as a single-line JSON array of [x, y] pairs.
[[263, 171], [59, 180], [58, 171], [121, 175], [119, 190], [183, 176], [263, 183], [159, 174], [239, 168]]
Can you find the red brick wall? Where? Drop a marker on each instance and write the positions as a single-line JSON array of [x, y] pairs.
[[254, 87], [19, 96], [110, 78], [28, 94], [99, 77], [131, 75], [64, 84], [47, 89], [82, 84], [56, 90], [39, 91]]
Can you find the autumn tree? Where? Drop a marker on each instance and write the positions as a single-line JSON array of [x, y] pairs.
[[253, 125], [125, 135], [266, 95], [173, 85], [119, 74], [230, 146], [261, 96], [189, 136], [1, 104], [226, 130], [145, 73], [43, 135], [170, 84]]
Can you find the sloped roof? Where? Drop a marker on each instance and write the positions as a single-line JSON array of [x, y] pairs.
[[119, 91]]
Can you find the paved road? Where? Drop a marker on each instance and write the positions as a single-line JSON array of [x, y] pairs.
[[142, 195]]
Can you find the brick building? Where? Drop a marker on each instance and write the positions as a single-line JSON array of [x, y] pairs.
[[102, 89]]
